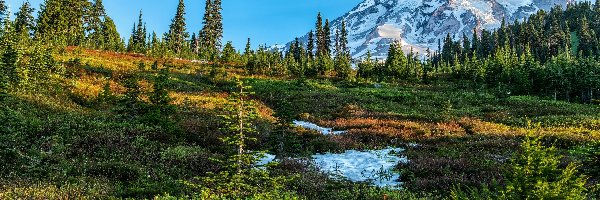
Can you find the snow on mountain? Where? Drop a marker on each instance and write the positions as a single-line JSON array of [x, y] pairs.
[[419, 24]]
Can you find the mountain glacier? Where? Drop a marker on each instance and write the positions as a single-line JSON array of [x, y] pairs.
[[419, 24]]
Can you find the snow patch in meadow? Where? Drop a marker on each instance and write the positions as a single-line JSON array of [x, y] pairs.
[[322, 130], [373, 165]]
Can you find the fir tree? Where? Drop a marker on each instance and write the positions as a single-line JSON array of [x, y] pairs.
[[344, 38], [62, 21], [587, 39], [3, 10], [366, 67], [248, 50], [194, 43], [466, 46], [342, 58], [212, 31], [177, 34], [320, 35], [137, 40], [228, 53], [24, 22], [327, 38], [396, 62], [110, 36], [310, 46], [95, 24]]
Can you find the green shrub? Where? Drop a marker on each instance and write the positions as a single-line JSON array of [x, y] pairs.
[[534, 174]]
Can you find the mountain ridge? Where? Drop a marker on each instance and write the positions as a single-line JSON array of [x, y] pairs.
[[420, 24]]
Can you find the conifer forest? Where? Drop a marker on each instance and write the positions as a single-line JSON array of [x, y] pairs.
[[509, 113]]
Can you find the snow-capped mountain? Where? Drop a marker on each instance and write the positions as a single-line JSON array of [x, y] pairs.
[[374, 24]]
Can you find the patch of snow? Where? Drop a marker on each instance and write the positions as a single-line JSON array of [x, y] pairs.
[[374, 165], [265, 159], [390, 31], [513, 5], [312, 126]]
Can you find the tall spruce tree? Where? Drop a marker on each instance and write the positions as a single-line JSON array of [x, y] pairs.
[[587, 39], [137, 40], [24, 22], [95, 22], [194, 42], [3, 12], [310, 46], [62, 21], [110, 36], [344, 38], [320, 35], [327, 38], [178, 35], [342, 58], [212, 31]]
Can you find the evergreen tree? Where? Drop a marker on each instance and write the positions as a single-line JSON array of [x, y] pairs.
[[248, 51], [212, 31], [466, 46], [588, 45], [95, 22], [327, 39], [396, 62], [556, 39], [24, 22], [320, 36], [62, 21], [342, 58], [344, 38], [3, 10], [366, 67], [137, 40], [310, 46], [110, 36], [194, 43], [229, 53], [161, 110], [177, 35]]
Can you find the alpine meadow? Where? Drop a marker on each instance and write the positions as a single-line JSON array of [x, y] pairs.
[[396, 99]]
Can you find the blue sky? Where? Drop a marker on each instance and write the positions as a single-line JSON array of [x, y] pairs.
[[264, 21]]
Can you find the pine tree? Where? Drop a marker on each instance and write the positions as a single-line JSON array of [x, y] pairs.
[[24, 22], [336, 40], [177, 35], [212, 31], [229, 53], [344, 38], [248, 51], [110, 36], [466, 46], [556, 39], [95, 22], [310, 46], [320, 35], [342, 58], [62, 21], [587, 39], [366, 67], [137, 40], [396, 62], [194, 43], [218, 23], [327, 38], [3, 12]]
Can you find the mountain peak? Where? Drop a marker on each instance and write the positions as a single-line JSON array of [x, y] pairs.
[[420, 24]]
